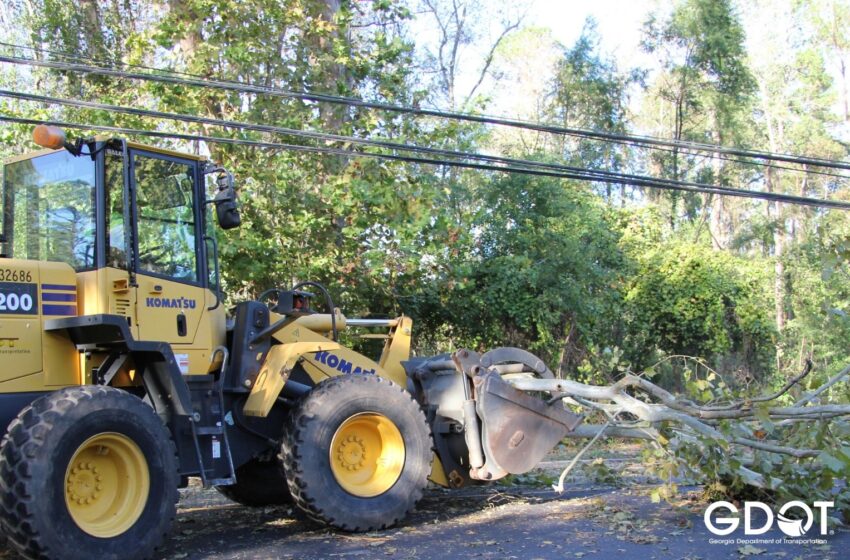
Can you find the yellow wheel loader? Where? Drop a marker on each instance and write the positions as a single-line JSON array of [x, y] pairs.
[[122, 374]]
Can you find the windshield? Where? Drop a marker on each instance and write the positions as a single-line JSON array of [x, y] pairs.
[[49, 209]]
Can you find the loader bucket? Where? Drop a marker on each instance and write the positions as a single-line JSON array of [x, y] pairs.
[[518, 430], [483, 427]]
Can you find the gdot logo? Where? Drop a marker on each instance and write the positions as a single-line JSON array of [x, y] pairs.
[[791, 527]]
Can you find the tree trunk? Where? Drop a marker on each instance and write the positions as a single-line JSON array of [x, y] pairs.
[[778, 250], [189, 43], [716, 227], [843, 71], [775, 214], [779, 271], [334, 76], [92, 28]]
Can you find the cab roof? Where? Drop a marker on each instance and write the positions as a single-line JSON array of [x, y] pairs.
[[101, 138], [174, 153]]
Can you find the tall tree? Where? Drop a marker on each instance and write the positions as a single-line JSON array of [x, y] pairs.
[[526, 61], [589, 91], [705, 82], [333, 220], [467, 35], [796, 100], [829, 21]]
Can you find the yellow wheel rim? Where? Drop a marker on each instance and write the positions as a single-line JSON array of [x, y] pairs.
[[107, 484], [367, 454]]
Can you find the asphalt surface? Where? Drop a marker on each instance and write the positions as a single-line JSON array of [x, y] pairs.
[[500, 522], [523, 521]]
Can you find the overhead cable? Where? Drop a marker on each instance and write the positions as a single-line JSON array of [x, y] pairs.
[[167, 76], [597, 175], [591, 176], [324, 136]]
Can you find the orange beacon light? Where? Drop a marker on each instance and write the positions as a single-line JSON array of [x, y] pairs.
[[49, 136]]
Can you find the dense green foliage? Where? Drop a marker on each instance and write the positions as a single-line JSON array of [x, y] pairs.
[[690, 300], [597, 279]]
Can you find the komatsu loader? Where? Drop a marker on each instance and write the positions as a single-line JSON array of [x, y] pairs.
[[123, 373]]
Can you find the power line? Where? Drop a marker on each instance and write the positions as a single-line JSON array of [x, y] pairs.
[[591, 176], [573, 172], [722, 157], [602, 176], [199, 81]]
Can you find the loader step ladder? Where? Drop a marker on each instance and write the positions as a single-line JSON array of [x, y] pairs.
[[218, 443]]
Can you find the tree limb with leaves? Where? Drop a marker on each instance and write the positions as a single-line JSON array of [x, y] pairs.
[[724, 438]]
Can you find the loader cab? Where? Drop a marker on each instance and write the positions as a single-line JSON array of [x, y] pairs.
[[133, 227]]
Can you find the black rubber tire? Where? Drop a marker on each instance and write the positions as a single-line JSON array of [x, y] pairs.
[[259, 482], [35, 453], [307, 440]]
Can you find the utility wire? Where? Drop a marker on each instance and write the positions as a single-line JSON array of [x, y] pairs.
[[247, 88], [559, 170], [298, 133], [199, 81], [599, 174], [647, 182], [722, 157]]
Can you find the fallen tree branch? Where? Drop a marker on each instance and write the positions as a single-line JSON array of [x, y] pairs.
[[559, 488], [584, 431], [615, 393], [771, 448], [823, 388], [765, 398], [655, 407]]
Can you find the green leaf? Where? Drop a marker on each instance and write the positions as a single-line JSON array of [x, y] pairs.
[[655, 496], [833, 463]]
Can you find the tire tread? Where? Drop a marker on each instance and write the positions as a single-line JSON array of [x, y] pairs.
[[18, 450], [294, 447]]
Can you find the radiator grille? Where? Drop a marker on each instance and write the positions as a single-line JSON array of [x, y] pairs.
[[121, 307]]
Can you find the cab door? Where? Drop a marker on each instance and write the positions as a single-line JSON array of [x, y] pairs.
[[171, 278]]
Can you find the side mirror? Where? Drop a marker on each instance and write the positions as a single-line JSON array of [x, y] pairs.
[[226, 207]]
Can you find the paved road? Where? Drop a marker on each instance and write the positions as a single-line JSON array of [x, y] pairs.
[[525, 523]]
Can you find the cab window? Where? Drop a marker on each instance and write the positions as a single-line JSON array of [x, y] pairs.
[[50, 210], [116, 252], [166, 220]]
